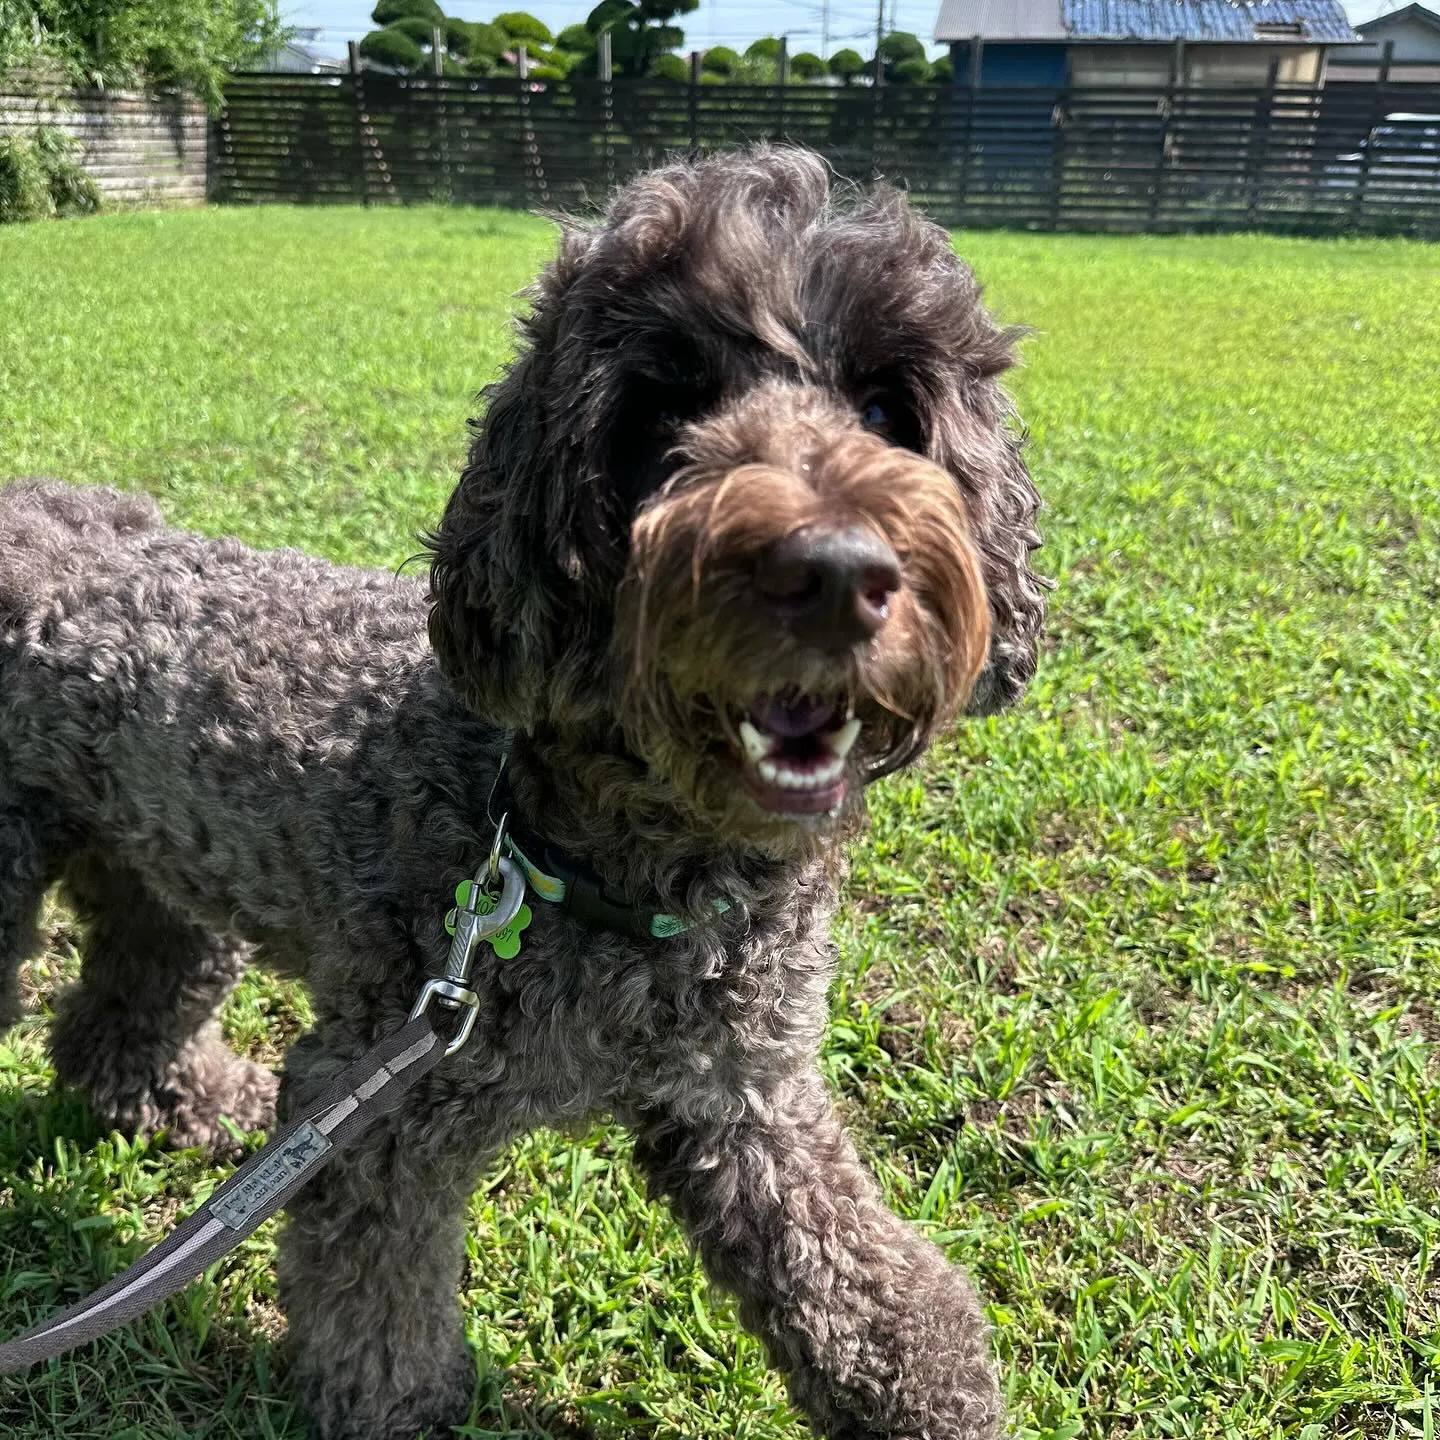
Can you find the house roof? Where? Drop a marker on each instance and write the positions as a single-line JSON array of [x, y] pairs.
[[1000, 19], [1410, 12], [1240, 21]]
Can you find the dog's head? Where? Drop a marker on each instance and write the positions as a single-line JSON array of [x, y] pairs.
[[748, 497]]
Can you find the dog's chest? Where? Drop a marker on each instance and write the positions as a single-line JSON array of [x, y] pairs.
[[582, 1022]]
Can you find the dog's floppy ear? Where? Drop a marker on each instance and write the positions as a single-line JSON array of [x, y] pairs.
[[510, 608], [973, 440], [1006, 534]]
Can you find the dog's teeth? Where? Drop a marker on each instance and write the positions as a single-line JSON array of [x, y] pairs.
[[842, 740], [809, 779], [769, 771], [757, 747]]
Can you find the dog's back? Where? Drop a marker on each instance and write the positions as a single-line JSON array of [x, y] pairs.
[[44, 525]]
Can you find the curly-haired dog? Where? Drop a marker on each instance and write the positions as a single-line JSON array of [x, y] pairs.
[[742, 528]]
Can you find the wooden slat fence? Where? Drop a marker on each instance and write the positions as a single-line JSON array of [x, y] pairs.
[[1272, 157], [140, 149]]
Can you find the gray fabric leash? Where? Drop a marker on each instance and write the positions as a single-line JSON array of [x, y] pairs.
[[363, 1092]]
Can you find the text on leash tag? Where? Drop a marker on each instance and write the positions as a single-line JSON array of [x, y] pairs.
[[289, 1160]]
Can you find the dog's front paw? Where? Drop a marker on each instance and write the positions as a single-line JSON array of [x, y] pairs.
[[365, 1406], [920, 1369]]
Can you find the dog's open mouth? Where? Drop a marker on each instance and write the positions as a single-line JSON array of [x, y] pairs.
[[793, 750]]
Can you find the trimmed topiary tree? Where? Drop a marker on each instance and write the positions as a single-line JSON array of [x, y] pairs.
[[394, 50], [575, 40], [806, 67], [525, 29], [387, 12], [914, 70], [639, 33], [416, 28], [669, 67], [487, 38], [845, 65], [720, 61]]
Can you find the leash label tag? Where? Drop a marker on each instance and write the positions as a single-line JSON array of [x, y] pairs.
[[284, 1164]]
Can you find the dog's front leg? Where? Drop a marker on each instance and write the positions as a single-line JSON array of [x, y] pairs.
[[370, 1262], [879, 1335]]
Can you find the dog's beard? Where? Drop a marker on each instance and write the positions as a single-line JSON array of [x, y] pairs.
[[768, 739]]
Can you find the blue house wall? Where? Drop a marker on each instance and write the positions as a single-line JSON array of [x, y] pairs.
[[1005, 65]]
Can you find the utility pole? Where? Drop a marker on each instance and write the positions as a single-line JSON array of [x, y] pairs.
[[879, 36], [824, 29]]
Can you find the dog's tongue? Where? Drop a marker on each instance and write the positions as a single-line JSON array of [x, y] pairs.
[[792, 716]]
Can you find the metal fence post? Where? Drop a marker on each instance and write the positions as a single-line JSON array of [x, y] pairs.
[[1258, 150], [782, 75], [361, 120], [1162, 157], [694, 102], [1379, 105]]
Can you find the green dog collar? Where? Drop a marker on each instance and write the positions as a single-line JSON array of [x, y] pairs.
[[574, 888]]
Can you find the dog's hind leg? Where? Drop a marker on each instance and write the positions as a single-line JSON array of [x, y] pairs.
[[23, 881], [139, 1033]]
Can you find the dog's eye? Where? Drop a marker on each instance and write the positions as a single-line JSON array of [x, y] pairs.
[[875, 416], [891, 416], [644, 430]]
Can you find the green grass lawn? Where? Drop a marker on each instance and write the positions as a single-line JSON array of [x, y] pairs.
[[1139, 1010]]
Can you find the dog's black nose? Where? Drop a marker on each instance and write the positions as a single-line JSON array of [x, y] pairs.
[[832, 587]]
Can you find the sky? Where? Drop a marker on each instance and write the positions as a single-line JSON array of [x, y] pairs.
[[716, 22]]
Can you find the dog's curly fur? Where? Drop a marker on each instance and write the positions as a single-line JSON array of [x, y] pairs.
[[227, 756]]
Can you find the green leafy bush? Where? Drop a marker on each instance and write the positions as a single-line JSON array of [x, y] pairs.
[[806, 66], [24, 190], [846, 65], [185, 44], [73, 191]]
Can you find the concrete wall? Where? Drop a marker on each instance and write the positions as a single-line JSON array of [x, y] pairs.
[[140, 149]]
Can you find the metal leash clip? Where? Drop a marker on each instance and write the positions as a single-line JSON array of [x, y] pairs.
[[477, 915]]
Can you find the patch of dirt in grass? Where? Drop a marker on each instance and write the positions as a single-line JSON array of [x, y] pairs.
[[524, 1409], [904, 1022], [1044, 1095]]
